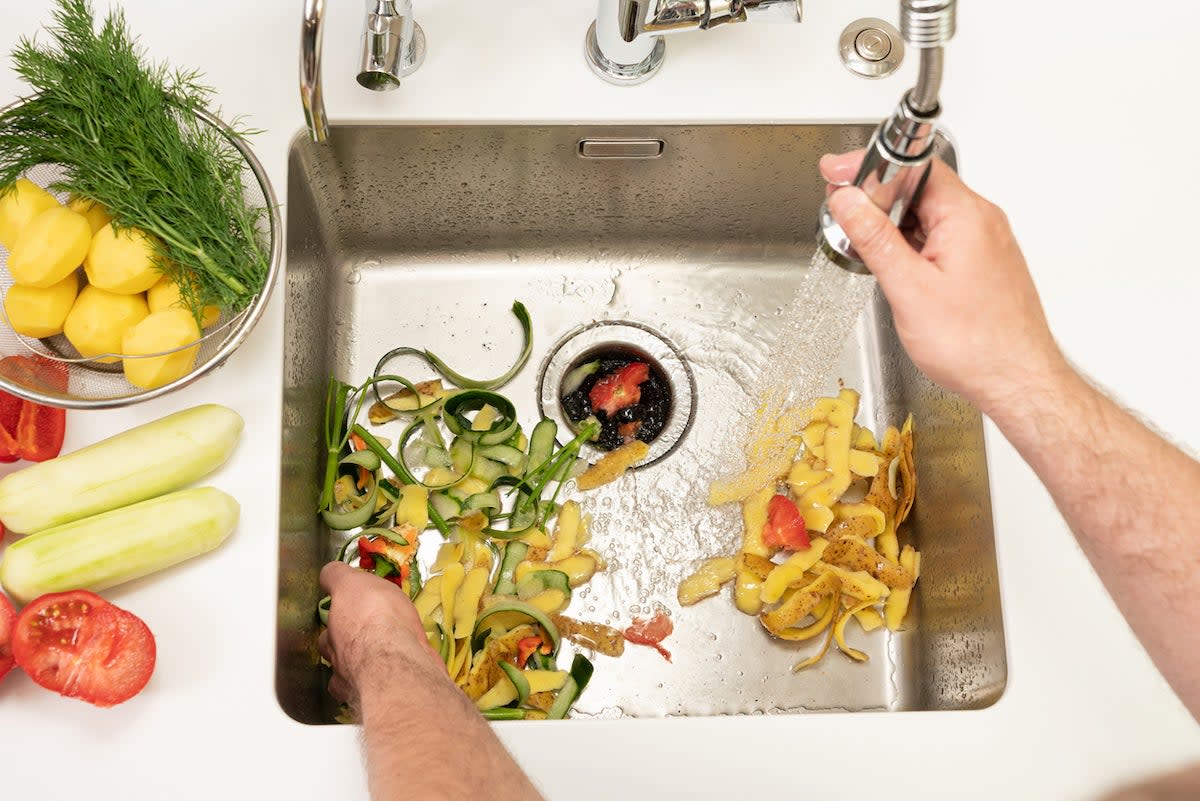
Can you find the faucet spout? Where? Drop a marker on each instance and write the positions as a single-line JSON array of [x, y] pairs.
[[393, 44], [899, 154], [311, 97]]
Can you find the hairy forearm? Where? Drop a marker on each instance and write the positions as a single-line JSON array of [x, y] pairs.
[[424, 739], [1127, 495]]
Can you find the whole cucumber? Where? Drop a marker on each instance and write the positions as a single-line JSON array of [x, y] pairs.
[[143, 462], [105, 550]]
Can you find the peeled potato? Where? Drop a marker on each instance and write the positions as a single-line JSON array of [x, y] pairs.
[[162, 330], [49, 247], [96, 215], [165, 295], [99, 319], [40, 313], [122, 261], [19, 206]]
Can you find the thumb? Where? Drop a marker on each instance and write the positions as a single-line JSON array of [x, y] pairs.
[[878, 241]]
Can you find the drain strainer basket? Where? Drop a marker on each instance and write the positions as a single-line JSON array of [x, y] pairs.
[[643, 342]]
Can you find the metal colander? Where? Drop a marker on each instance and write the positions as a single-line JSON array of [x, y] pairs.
[[98, 382]]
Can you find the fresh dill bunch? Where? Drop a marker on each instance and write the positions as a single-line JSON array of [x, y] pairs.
[[127, 135]]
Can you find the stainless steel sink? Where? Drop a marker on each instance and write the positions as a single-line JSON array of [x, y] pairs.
[[425, 235]]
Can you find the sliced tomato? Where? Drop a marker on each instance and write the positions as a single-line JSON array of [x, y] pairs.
[[619, 389], [81, 646], [7, 616], [651, 632], [785, 526]]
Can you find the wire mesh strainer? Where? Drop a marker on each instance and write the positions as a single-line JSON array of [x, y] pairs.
[[98, 382]]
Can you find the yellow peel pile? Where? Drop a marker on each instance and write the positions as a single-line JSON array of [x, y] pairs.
[[854, 493]]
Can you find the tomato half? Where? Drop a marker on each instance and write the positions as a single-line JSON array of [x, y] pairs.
[[7, 616], [81, 646]]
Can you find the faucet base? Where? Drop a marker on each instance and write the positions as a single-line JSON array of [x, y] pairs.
[[622, 74]]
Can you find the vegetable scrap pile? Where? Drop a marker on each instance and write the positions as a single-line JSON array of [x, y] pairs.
[[156, 215], [511, 554], [854, 493]]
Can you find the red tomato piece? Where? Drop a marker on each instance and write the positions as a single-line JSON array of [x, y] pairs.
[[7, 616], [785, 526], [651, 632], [620, 389], [81, 646]]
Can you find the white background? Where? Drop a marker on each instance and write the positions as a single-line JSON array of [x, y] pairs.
[[1075, 117]]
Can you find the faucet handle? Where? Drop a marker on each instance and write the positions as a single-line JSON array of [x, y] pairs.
[[773, 10], [720, 12]]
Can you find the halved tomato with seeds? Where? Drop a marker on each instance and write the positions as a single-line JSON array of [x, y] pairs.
[[81, 646]]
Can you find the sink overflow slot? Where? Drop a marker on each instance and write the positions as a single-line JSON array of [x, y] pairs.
[[621, 148]]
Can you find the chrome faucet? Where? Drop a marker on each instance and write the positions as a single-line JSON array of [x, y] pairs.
[[900, 152], [625, 44], [393, 46]]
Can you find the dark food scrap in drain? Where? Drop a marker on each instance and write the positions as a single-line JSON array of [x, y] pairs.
[[628, 395]]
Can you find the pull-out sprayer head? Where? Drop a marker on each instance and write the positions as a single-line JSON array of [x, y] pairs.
[[897, 159]]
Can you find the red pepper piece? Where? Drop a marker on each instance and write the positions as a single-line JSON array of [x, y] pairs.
[[525, 648], [651, 632], [40, 431], [619, 390], [785, 526], [10, 413], [35, 371]]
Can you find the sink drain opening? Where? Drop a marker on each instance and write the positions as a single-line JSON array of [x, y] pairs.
[[629, 378]]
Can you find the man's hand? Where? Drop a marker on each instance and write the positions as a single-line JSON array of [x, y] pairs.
[[969, 316], [423, 736], [372, 624], [965, 307]]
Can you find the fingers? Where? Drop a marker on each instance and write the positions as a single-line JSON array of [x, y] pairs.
[[340, 688], [878, 241], [840, 168], [944, 195], [333, 575]]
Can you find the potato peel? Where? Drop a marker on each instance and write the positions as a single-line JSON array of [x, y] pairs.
[[856, 491]]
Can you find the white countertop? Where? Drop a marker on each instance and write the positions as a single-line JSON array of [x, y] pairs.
[[1057, 120]]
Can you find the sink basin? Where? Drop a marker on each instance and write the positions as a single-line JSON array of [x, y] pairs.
[[700, 234]]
